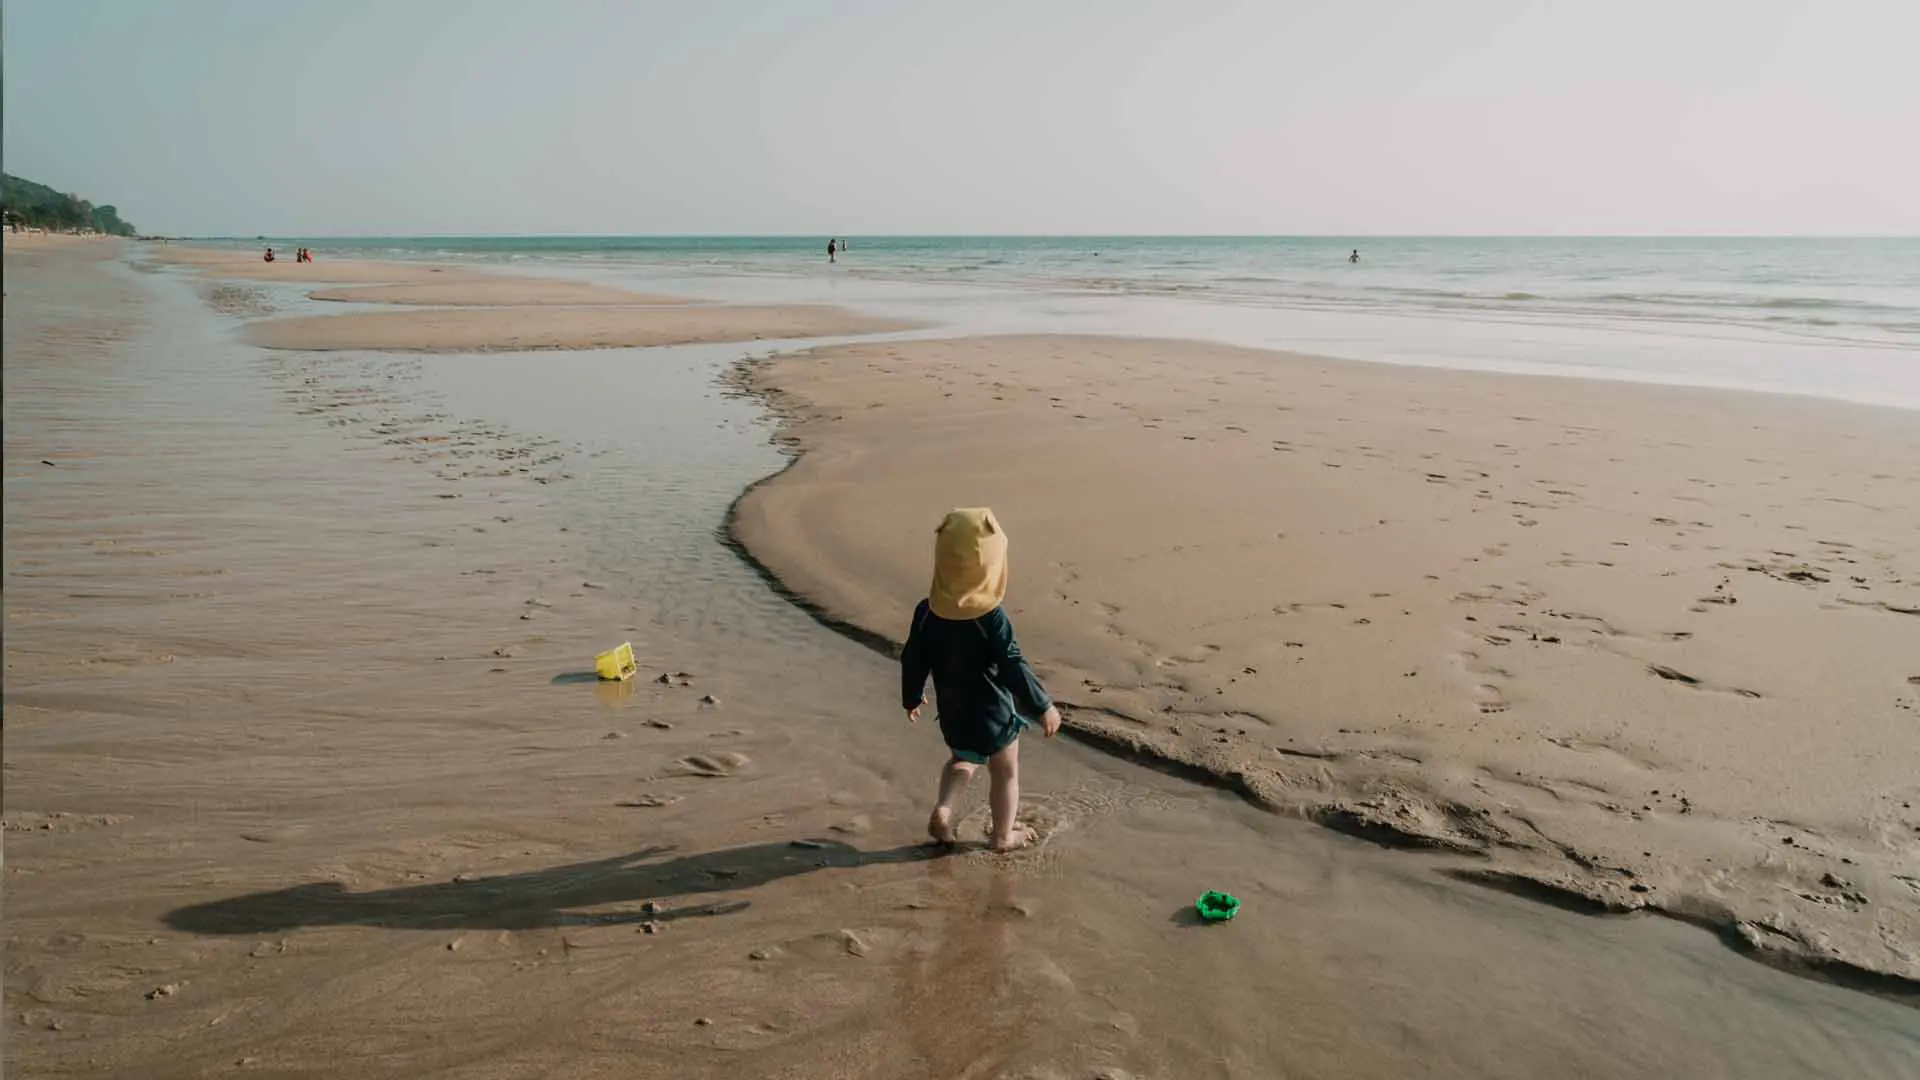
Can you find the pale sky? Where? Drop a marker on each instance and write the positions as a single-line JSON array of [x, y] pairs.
[[381, 117]]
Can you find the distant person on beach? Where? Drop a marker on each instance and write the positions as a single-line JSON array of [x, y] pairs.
[[833, 246], [987, 694], [1355, 257], [269, 256]]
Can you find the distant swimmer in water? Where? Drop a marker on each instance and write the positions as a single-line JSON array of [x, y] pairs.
[[1355, 257], [833, 246]]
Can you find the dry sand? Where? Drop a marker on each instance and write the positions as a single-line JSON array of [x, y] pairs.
[[302, 780], [1654, 646], [482, 329]]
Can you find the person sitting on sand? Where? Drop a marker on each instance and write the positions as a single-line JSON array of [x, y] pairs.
[[986, 691], [269, 257]]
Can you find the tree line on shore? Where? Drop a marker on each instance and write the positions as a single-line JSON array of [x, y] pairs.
[[25, 204]]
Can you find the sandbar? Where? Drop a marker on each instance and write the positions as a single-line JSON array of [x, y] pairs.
[[249, 266], [1653, 646]]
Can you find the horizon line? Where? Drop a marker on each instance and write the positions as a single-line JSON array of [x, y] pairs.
[[1035, 236]]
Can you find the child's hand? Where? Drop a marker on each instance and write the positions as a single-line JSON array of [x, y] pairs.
[[1050, 721], [913, 714]]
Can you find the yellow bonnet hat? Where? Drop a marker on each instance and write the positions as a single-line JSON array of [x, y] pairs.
[[969, 565]]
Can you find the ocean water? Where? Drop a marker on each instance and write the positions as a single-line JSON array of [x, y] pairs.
[[1825, 317]]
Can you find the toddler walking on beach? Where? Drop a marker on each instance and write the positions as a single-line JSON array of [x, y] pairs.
[[987, 693]]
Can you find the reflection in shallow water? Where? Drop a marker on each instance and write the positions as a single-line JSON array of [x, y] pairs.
[[659, 452], [965, 1009]]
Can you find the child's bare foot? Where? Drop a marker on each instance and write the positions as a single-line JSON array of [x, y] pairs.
[[940, 827], [1019, 837]]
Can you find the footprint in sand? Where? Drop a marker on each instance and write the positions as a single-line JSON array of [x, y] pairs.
[[1722, 594], [857, 825], [649, 801], [1684, 679], [859, 943], [726, 763], [1673, 675], [1051, 815], [1198, 655]]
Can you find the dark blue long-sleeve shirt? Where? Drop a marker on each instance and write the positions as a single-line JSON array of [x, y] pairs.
[[983, 682]]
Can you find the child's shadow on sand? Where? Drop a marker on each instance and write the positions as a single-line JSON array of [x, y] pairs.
[[536, 898]]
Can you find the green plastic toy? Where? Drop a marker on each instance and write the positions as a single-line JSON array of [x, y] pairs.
[[1217, 906]]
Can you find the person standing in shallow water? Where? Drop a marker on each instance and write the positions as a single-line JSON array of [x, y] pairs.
[[1355, 257], [987, 693], [832, 247]]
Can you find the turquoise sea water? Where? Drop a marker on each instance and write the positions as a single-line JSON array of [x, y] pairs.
[[1828, 317]]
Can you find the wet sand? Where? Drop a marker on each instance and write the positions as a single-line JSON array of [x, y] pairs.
[[519, 328], [1650, 646], [303, 779], [498, 292]]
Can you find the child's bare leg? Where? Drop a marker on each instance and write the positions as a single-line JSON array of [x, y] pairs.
[[1003, 769], [954, 776]]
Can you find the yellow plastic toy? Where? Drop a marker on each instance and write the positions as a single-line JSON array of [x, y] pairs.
[[616, 664]]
